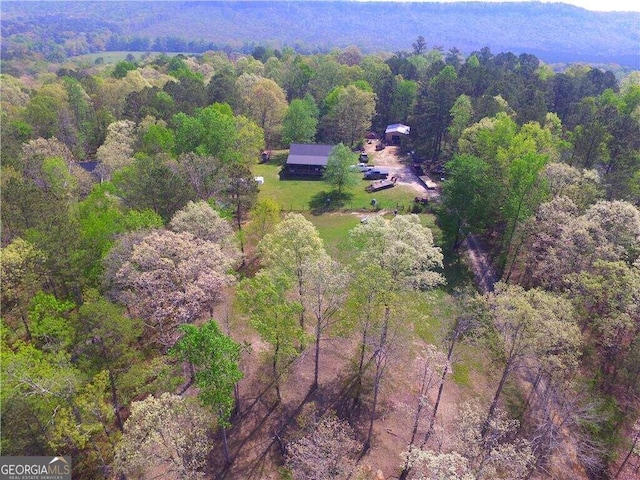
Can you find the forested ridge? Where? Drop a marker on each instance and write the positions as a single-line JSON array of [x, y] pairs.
[[164, 316], [555, 32]]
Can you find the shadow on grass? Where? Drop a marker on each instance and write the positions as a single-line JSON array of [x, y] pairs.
[[456, 271], [323, 202]]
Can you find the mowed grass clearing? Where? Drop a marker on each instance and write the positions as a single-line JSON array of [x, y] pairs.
[[311, 195]]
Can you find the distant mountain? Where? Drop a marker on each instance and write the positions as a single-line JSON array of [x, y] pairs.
[[554, 32]]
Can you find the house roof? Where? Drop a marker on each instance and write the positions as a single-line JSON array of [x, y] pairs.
[[88, 166], [307, 154], [398, 128]]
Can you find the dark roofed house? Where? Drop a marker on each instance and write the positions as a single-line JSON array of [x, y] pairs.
[[89, 166], [307, 160], [393, 133], [93, 168]]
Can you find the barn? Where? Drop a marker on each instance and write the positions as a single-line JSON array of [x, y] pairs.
[[394, 132], [307, 160]]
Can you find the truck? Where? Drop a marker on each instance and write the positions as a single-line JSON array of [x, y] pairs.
[[376, 174]]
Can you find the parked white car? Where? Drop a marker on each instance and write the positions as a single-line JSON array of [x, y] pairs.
[[362, 167]]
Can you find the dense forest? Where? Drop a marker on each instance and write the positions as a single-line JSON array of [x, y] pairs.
[[554, 32], [164, 316]]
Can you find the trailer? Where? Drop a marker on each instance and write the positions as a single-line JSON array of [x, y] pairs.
[[381, 185], [427, 182]]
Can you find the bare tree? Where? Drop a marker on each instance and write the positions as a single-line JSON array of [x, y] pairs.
[[325, 283], [476, 455], [557, 415], [462, 326], [386, 346], [434, 366], [634, 450], [370, 291], [532, 327]]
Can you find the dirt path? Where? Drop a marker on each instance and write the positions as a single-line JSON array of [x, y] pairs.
[[484, 272], [564, 459]]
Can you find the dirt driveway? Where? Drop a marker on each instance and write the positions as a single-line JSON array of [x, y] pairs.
[[400, 166]]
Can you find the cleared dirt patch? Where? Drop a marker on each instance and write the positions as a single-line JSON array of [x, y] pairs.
[[254, 440], [399, 165]]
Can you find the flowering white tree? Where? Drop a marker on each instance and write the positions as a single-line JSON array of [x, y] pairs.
[[325, 452], [117, 150], [168, 279], [431, 465], [476, 453], [164, 437], [403, 247], [199, 219]]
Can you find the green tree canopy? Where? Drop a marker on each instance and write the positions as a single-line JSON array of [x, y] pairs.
[[215, 358], [300, 122], [339, 172]]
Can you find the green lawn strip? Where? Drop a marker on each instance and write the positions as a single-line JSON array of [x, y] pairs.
[[461, 374], [469, 361], [334, 230]]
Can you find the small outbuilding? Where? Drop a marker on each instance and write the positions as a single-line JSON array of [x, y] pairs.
[[394, 133], [307, 160]]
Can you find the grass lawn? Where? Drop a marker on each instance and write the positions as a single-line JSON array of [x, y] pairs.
[[333, 221], [311, 195], [334, 229]]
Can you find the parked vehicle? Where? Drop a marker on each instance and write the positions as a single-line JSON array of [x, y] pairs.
[[364, 158], [361, 167], [381, 185], [376, 174]]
